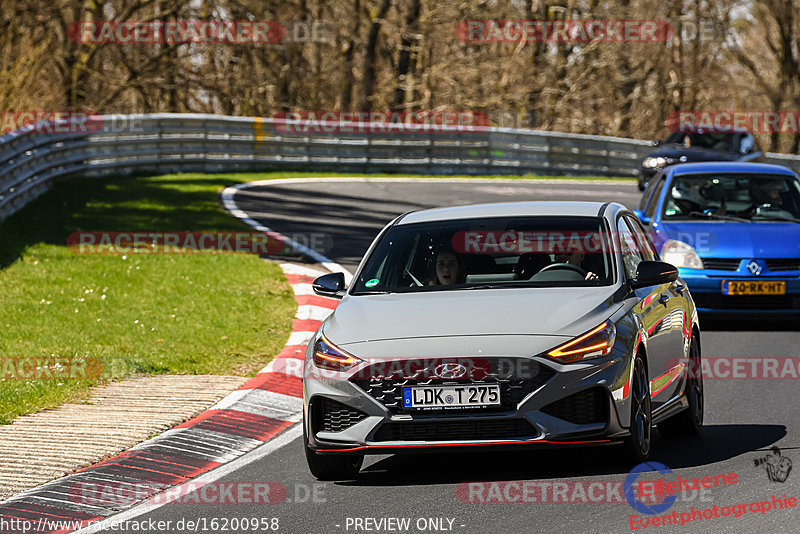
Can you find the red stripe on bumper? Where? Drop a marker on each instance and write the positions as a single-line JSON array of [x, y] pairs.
[[469, 444]]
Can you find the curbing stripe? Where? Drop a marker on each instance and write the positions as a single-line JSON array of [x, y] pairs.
[[278, 382], [316, 300], [300, 338]]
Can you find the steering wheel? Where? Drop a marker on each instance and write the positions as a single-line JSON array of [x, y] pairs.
[[567, 266]]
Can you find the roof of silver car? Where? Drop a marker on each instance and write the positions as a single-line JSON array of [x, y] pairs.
[[513, 209]]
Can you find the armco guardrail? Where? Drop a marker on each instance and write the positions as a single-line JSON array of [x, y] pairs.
[[32, 158]]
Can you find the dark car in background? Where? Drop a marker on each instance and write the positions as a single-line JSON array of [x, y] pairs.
[[688, 147]]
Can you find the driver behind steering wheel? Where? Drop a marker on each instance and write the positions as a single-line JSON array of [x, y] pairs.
[[573, 257]]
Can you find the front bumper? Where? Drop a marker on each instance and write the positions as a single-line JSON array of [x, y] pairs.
[[705, 286], [559, 405]]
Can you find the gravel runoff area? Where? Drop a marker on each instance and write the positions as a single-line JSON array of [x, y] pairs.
[[46, 445]]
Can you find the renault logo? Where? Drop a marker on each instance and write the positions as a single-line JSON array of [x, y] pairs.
[[754, 267], [450, 370]]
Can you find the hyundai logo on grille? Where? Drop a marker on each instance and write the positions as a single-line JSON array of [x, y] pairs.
[[450, 370]]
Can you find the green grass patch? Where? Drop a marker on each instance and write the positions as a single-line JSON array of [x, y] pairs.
[[139, 314]]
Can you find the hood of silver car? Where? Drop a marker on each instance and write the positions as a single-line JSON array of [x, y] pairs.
[[477, 312]]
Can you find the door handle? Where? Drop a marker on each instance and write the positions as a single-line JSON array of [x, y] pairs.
[[663, 299]]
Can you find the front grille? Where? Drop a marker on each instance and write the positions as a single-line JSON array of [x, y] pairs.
[[746, 302], [515, 381], [332, 416], [587, 407], [783, 264], [721, 264], [461, 430]]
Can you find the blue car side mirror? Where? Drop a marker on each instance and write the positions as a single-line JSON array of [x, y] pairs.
[[642, 217]]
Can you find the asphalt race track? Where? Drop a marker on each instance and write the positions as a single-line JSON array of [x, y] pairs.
[[744, 417]]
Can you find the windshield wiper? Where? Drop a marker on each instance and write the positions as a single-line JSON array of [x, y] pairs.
[[703, 215]]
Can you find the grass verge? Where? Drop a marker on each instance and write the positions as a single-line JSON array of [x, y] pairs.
[[138, 314]]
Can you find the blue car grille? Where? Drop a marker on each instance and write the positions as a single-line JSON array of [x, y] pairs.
[[732, 264], [746, 302], [783, 264], [721, 264]]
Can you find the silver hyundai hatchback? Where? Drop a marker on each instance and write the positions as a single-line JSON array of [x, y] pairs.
[[524, 324]]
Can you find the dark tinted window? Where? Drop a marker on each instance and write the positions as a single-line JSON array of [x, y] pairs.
[[488, 253], [728, 142], [713, 196]]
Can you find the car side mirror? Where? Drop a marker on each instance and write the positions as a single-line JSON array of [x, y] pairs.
[[651, 273], [641, 216], [329, 285]]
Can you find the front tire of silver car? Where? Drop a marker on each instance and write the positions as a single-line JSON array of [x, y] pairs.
[[641, 425], [332, 466]]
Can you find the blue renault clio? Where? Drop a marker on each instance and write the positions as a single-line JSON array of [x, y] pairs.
[[733, 231]]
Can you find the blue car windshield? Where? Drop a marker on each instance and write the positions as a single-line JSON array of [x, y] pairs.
[[486, 253], [733, 196]]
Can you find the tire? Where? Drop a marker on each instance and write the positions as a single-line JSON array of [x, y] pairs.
[[332, 466], [689, 421], [640, 442], [642, 186]]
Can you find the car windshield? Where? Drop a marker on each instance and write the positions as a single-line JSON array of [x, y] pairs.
[[715, 141], [496, 252], [740, 196]]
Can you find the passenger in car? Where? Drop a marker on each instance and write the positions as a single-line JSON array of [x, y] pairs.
[[449, 268]]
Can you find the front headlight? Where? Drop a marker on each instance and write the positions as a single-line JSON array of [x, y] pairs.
[[657, 162], [593, 344], [329, 356], [680, 254], [654, 163]]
